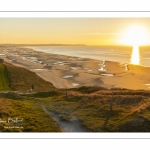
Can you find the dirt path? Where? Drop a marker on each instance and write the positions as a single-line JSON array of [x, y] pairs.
[[67, 126]]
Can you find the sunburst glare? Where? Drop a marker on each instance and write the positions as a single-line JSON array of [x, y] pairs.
[[135, 35]]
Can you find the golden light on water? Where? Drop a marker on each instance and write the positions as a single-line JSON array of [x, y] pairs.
[[135, 35], [135, 58]]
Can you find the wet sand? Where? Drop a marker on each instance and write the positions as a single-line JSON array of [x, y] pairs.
[[69, 72]]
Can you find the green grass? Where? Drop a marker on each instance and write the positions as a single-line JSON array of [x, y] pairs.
[[91, 105], [4, 79], [34, 117], [21, 80], [93, 111]]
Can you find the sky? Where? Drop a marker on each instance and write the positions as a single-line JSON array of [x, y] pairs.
[[88, 31]]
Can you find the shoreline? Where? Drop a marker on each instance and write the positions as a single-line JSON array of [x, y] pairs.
[[71, 72], [30, 47]]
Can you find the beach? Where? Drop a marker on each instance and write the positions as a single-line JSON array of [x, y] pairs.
[[72, 72]]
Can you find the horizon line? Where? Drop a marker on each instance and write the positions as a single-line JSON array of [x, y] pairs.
[[72, 44]]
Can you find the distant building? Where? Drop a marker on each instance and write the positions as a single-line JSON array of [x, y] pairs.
[[1, 60]]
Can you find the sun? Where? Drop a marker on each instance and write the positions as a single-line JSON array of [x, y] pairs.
[[135, 35]]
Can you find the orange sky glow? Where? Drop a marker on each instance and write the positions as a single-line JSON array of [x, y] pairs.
[[89, 31]]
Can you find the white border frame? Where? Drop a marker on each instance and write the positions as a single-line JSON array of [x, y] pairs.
[[73, 14]]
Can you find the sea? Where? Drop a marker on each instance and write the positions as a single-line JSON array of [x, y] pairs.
[[122, 54]]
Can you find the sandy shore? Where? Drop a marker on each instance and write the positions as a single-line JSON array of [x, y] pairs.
[[69, 72]]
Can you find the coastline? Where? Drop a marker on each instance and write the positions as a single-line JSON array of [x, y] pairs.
[[71, 72]]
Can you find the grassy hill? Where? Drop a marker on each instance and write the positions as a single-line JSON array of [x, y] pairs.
[[130, 113], [21, 79], [4, 79], [91, 105], [12, 105], [33, 116]]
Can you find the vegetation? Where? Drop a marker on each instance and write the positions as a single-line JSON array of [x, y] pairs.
[[90, 89], [90, 105], [94, 112], [5, 82], [33, 116], [21, 80]]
